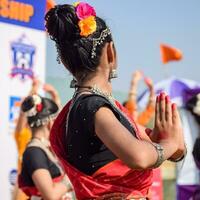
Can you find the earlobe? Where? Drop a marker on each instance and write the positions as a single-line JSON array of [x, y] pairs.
[[112, 60]]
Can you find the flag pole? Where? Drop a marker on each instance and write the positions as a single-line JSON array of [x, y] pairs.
[[166, 71]]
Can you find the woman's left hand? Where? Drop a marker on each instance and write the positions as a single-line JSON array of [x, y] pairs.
[[156, 136]]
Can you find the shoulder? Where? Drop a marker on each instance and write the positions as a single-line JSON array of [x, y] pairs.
[[35, 158], [33, 152], [85, 108], [92, 98], [92, 102]]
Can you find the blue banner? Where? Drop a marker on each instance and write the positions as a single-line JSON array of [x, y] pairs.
[[28, 13]]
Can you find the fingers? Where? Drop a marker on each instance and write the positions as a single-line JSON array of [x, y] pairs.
[[162, 106], [168, 109], [167, 121], [48, 87], [175, 115], [45, 87], [163, 112], [148, 82], [157, 111], [137, 75]]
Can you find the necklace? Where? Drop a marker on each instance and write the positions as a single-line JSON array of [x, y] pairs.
[[111, 99], [96, 90]]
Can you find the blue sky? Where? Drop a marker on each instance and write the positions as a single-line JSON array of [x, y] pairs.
[[138, 27]]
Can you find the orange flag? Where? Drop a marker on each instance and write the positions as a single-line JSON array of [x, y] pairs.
[[170, 53], [50, 4]]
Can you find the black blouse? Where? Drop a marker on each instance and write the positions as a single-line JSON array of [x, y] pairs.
[[35, 158], [85, 150]]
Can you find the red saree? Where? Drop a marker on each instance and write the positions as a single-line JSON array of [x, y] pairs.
[[112, 180]]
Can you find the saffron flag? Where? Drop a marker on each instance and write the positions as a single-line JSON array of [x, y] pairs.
[[170, 53], [50, 4]]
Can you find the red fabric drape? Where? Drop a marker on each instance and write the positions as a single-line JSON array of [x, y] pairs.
[[114, 177]]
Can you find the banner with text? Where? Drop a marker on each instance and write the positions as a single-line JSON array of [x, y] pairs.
[[22, 57]]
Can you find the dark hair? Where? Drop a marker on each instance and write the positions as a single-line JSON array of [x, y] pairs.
[[74, 49], [48, 110], [190, 105]]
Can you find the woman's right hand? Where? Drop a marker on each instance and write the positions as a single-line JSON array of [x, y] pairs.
[[168, 128]]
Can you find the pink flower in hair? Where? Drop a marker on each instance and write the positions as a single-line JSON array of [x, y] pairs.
[[84, 10]]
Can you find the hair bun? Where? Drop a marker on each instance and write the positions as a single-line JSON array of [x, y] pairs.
[[62, 24], [27, 104]]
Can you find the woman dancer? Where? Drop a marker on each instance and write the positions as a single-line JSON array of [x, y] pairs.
[[41, 175], [102, 150], [23, 132]]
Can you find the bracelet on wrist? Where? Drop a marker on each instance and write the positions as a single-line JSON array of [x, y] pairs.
[[180, 158], [160, 152]]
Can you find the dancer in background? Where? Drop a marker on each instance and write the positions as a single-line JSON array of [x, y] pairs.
[[23, 132], [41, 175], [22, 137], [113, 160], [146, 115]]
